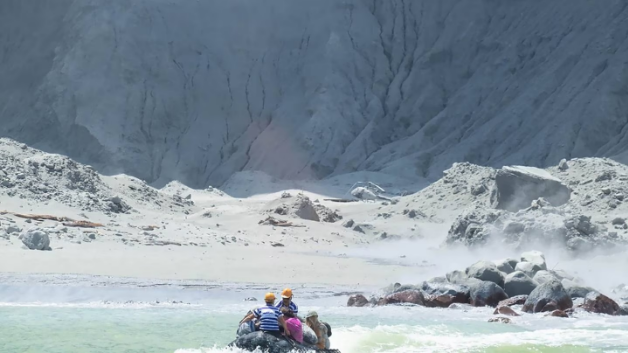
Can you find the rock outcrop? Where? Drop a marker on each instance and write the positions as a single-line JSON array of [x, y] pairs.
[[517, 187]]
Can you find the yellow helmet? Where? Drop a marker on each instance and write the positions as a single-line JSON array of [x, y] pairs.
[[287, 293], [269, 297]]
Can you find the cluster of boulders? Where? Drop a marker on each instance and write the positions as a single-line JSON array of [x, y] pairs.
[[529, 207], [540, 225], [524, 282], [300, 206]]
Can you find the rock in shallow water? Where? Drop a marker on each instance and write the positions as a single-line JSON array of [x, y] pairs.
[[503, 320], [548, 297], [357, 300], [483, 293], [516, 300], [599, 303]]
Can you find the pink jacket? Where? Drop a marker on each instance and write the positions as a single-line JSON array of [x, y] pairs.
[[295, 328]]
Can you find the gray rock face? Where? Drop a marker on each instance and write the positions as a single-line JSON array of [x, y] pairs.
[[36, 239], [518, 283], [575, 290], [268, 98], [548, 296], [528, 268], [517, 187], [305, 209], [458, 277], [544, 276], [473, 227], [534, 257], [486, 271], [440, 288], [483, 293], [623, 309], [505, 266]]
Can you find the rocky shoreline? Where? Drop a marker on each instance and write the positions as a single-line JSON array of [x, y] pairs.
[[513, 287]]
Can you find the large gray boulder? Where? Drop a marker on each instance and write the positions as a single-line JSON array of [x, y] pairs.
[[548, 296], [485, 271], [439, 288], [598, 303], [484, 293], [528, 268], [506, 266], [518, 283], [534, 257], [456, 276], [623, 309], [575, 290], [516, 187], [544, 276], [36, 239]]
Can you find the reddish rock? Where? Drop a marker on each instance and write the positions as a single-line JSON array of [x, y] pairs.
[[503, 320], [357, 300], [505, 310], [551, 306], [516, 300], [557, 313], [444, 300], [411, 296], [600, 304]]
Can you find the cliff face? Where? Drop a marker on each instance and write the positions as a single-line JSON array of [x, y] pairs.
[[198, 90]]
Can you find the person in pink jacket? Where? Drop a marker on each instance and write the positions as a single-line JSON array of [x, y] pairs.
[[293, 324]]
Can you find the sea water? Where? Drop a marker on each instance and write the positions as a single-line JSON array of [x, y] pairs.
[[133, 319]]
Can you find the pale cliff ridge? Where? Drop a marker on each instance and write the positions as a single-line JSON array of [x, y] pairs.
[[195, 91]]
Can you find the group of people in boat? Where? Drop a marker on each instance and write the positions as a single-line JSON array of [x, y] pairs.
[[282, 320]]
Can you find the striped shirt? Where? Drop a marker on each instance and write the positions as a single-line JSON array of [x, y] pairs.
[[268, 317], [293, 307]]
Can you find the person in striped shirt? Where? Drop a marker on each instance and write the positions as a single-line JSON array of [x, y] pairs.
[[269, 317], [286, 301]]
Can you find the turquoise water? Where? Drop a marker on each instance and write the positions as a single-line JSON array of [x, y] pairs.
[[93, 319], [131, 329]]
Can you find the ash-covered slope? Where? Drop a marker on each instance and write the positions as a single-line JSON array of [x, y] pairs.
[[195, 91]]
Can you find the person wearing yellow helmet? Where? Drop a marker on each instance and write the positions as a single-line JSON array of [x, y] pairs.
[[286, 302], [269, 317]]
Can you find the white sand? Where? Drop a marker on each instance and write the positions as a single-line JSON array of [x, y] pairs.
[[216, 238]]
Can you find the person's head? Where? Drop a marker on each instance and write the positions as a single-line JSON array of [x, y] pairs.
[[286, 296], [287, 312], [269, 298], [311, 318]]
